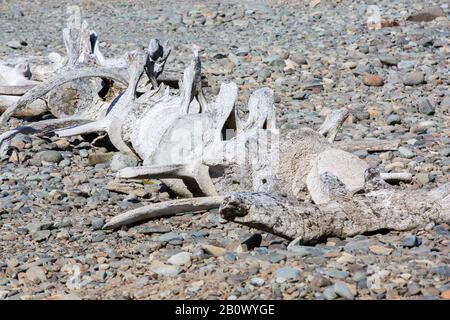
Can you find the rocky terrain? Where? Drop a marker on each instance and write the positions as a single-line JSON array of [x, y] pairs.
[[56, 193]]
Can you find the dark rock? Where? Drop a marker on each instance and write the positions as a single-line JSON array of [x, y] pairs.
[[426, 107], [427, 15], [410, 241]]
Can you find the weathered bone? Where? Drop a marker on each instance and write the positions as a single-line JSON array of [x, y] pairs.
[[296, 184], [164, 209], [338, 182], [344, 216], [35, 108], [332, 123], [35, 127]]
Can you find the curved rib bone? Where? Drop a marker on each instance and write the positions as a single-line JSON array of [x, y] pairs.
[[49, 85], [164, 209], [41, 127]]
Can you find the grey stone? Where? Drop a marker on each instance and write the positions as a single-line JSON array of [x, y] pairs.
[[180, 259], [287, 274], [336, 274], [257, 281], [300, 251], [298, 58], [41, 235], [423, 178], [426, 107], [393, 119], [410, 241], [166, 270], [329, 293], [36, 226], [443, 271], [445, 152], [343, 290], [49, 156], [200, 234], [36, 274], [14, 44], [97, 223], [276, 257], [154, 229], [388, 60], [98, 237], [229, 256], [445, 104], [413, 78], [170, 236], [120, 161], [406, 153]]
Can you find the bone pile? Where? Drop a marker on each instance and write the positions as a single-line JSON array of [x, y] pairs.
[[297, 184]]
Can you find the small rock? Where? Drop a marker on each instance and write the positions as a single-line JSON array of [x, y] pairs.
[[97, 158], [164, 270], [372, 80], [445, 152], [319, 282], [388, 60], [41, 235], [49, 156], [329, 293], [257, 281], [287, 274], [120, 161], [36, 274], [97, 223], [4, 294], [16, 11], [229, 256], [410, 241], [170, 236], [14, 44], [300, 251], [298, 58], [406, 153], [380, 250], [214, 250], [393, 119], [426, 107], [180, 259], [423, 178], [427, 14], [36, 226], [343, 290], [445, 104], [154, 229], [98, 237], [413, 78], [276, 257]]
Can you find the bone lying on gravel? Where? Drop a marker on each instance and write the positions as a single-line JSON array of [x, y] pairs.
[[332, 123], [164, 209], [35, 127], [369, 145], [343, 216], [395, 177], [36, 108]]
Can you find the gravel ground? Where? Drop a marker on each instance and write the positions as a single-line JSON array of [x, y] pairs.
[[57, 193]]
